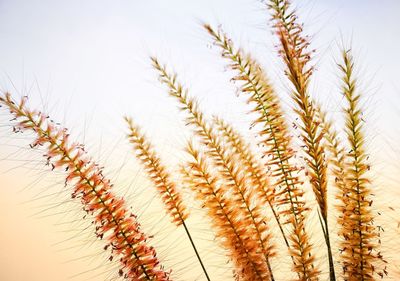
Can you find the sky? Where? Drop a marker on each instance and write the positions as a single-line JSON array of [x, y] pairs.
[[87, 64]]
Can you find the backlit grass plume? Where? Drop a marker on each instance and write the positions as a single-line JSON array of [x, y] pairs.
[[294, 50], [257, 174], [337, 152], [231, 230], [289, 195], [158, 174], [161, 178], [113, 221], [360, 254], [224, 161]]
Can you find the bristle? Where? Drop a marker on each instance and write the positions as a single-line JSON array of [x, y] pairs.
[[138, 260]]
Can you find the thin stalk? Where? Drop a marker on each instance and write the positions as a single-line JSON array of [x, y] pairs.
[[332, 274], [195, 250], [325, 230]]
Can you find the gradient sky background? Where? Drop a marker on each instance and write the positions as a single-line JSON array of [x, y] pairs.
[[86, 63]]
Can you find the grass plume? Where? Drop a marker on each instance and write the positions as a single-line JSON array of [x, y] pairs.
[[225, 216], [294, 50], [223, 160], [277, 142], [360, 237], [161, 179], [125, 239], [158, 174], [254, 169]]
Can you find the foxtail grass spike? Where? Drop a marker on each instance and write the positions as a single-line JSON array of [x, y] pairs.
[[257, 174], [231, 231], [337, 151], [113, 221], [172, 199], [295, 54], [360, 255], [223, 160], [254, 83], [294, 50], [158, 174]]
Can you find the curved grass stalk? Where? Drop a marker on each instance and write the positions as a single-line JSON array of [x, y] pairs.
[[224, 160], [158, 174], [277, 143], [138, 260]]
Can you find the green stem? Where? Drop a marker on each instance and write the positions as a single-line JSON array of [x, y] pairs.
[[332, 275], [325, 230], [195, 250]]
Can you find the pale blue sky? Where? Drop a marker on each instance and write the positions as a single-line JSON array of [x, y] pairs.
[[87, 63], [91, 57]]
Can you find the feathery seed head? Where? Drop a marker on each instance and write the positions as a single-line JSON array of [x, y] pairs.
[[361, 258], [138, 260], [157, 173]]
